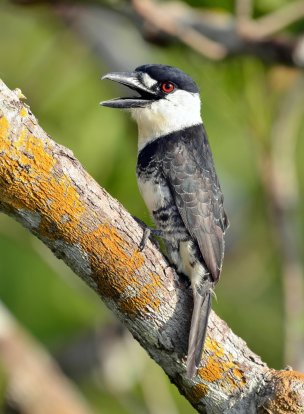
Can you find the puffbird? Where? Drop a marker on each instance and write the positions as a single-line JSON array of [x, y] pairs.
[[178, 182]]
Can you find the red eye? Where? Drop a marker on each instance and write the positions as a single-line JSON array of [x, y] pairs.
[[167, 87]]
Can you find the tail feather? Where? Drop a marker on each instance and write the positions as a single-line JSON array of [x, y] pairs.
[[198, 330]]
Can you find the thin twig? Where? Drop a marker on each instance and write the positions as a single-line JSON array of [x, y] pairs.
[[211, 34], [274, 22], [220, 36], [243, 9], [167, 22]]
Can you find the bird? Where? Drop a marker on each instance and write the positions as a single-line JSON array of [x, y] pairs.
[[177, 179]]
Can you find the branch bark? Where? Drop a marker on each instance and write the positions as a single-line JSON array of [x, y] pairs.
[[45, 188], [35, 383]]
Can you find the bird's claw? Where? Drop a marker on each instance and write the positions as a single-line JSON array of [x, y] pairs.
[[144, 239], [147, 233]]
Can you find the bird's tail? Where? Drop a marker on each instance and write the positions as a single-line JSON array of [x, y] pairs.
[[198, 328]]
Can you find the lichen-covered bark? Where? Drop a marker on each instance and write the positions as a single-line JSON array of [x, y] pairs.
[[45, 188]]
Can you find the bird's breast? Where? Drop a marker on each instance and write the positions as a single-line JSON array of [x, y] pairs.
[[155, 192]]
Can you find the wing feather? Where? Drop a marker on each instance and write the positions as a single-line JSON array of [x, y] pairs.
[[189, 169]]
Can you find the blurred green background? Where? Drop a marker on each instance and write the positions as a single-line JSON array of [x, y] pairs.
[[242, 99]]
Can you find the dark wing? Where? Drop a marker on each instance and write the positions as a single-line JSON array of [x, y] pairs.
[[190, 173]]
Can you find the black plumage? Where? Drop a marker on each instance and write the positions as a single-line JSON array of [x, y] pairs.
[[165, 73], [188, 167], [178, 182], [190, 211], [183, 161]]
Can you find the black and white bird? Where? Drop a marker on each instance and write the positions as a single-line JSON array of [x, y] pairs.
[[178, 182]]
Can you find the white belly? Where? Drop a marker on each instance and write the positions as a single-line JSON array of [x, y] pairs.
[[186, 262], [155, 195]]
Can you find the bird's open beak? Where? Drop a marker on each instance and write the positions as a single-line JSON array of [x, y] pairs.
[[132, 80]]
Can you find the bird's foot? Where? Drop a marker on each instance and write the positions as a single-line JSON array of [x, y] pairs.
[[148, 232]]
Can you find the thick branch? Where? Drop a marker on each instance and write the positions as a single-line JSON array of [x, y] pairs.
[[35, 384], [45, 188]]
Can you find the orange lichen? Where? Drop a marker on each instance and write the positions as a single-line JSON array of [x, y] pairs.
[[197, 393], [289, 375], [219, 367], [239, 374], [23, 112], [138, 305], [29, 181], [114, 254], [144, 300], [286, 390], [119, 271], [213, 370], [214, 347], [4, 129], [32, 180]]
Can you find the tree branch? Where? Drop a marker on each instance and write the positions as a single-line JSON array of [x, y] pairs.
[[212, 34], [45, 188], [35, 383], [276, 21], [218, 36]]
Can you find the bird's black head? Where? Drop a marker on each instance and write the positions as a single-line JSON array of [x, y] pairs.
[[167, 100], [152, 82], [165, 73]]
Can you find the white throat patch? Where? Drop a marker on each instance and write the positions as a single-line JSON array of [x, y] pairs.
[[148, 81], [175, 111]]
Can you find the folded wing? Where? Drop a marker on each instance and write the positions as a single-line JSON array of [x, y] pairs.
[[189, 169]]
